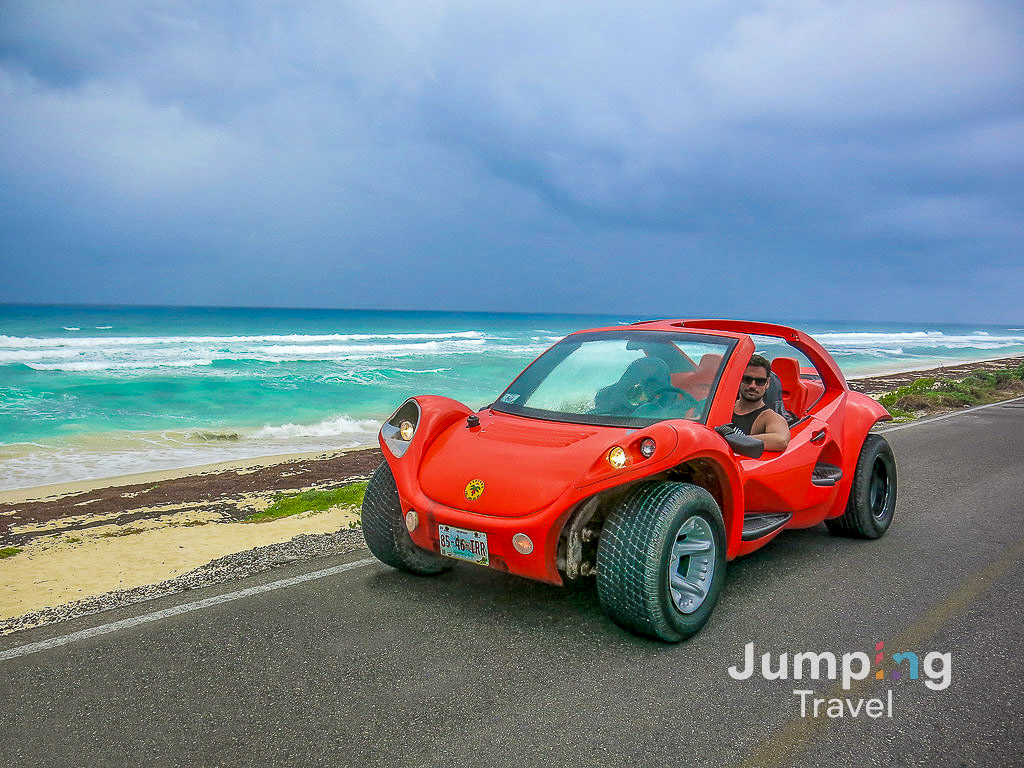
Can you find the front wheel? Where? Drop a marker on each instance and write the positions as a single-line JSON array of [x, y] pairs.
[[385, 532], [872, 501], [661, 560]]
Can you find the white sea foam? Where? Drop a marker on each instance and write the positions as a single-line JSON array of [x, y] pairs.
[[840, 352], [116, 354], [96, 456], [125, 354], [137, 357], [22, 342], [864, 341], [322, 351], [19, 355], [339, 426], [110, 366], [516, 350], [304, 342], [412, 370]]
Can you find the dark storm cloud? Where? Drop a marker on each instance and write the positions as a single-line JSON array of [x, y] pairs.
[[578, 156]]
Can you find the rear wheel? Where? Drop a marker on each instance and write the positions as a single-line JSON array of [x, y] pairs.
[[872, 503], [661, 560], [385, 532]]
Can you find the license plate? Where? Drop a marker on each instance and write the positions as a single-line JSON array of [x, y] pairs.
[[461, 544]]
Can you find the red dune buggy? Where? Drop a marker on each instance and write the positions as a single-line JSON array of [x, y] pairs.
[[611, 455]]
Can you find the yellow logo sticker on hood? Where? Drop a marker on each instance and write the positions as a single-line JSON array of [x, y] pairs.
[[475, 489]]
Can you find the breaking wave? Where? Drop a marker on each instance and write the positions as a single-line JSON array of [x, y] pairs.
[[37, 463], [339, 426], [888, 343], [121, 354], [122, 341]]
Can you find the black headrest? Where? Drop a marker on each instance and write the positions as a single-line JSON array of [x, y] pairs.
[[773, 393], [773, 398]]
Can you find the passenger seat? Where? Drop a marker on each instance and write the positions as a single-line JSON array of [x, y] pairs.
[[794, 392]]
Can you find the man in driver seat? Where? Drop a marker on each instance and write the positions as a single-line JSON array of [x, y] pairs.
[[751, 415]]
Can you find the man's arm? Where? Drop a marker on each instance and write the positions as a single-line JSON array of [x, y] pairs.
[[772, 430]]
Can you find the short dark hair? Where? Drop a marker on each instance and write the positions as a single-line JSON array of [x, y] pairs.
[[760, 361]]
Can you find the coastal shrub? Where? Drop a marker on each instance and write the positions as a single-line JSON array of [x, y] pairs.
[[1018, 372], [915, 388], [8, 552], [285, 505], [978, 388], [976, 383], [965, 392], [913, 401], [955, 400]]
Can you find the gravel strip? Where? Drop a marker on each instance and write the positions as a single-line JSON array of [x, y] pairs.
[[227, 568]]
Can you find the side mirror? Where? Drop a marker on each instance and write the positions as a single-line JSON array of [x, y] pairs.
[[741, 443]]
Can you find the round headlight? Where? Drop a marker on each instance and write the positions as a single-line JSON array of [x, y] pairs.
[[406, 430], [617, 457], [522, 543], [647, 446], [412, 520]]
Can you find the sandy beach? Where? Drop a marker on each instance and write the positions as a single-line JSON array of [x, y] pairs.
[[80, 541]]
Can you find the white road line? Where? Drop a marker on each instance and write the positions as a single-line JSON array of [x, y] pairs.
[[945, 416], [103, 629]]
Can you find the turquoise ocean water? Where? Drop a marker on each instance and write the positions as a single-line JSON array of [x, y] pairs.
[[100, 391]]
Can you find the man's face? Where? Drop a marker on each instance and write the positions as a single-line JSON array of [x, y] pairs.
[[755, 382]]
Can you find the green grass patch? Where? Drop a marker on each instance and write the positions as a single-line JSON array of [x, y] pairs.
[[286, 505], [8, 552], [121, 532], [900, 416]]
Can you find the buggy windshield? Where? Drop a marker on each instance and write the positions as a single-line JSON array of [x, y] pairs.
[[620, 378]]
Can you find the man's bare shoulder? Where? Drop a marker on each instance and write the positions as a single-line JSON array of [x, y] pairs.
[[770, 421]]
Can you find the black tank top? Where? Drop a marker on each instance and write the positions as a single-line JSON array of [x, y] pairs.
[[745, 422]]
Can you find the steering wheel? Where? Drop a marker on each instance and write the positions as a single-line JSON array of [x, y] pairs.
[[667, 396]]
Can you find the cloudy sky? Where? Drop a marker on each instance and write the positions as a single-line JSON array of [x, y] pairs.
[[821, 160]]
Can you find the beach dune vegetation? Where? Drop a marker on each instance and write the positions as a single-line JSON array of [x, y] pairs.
[[927, 395], [285, 505]]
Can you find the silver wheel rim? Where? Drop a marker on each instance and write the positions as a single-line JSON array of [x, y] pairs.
[[878, 490], [692, 565]]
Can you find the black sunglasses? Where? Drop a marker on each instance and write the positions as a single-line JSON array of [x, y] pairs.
[[759, 380]]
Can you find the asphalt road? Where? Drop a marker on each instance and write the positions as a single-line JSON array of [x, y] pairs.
[[372, 667]]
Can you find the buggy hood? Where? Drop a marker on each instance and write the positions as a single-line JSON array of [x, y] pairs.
[[524, 464]]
